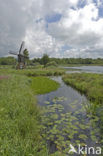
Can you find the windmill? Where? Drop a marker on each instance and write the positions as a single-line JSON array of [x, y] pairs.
[[21, 57]]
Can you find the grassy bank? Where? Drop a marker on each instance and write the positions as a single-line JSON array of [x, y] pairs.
[[42, 85], [89, 84], [19, 119], [36, 72]]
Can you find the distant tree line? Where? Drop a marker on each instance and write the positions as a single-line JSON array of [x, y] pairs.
[[63, 61], [7, 60], [55, 61]]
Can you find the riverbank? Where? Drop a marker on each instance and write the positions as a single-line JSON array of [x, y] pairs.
[[92, 86], [88, 83]]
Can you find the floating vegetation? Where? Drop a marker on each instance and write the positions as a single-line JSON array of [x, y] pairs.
[[59, 99], [83, 136], [47, 102], [74, 104], [61, 128]]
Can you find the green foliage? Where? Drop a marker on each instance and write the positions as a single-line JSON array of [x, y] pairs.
[[7, 60], [26, 53], [37, 71], [19, 119], [42, 85], [52, 63], [45, 59], [42, 72], [75, 61]]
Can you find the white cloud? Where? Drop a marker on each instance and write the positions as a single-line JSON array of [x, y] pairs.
[[39, 42], [79, 28]]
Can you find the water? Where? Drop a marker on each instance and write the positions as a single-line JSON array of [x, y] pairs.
[[66, 120], [88, 69], [64, 91]]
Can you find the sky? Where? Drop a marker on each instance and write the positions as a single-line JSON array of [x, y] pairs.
[[59, 28]]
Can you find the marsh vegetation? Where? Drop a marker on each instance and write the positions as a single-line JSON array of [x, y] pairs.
[[40, 116]]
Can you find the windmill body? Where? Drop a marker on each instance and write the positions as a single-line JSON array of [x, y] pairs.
[[21, 57]]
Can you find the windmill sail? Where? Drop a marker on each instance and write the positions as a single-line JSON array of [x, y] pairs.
[[11, 52], [21, 47]]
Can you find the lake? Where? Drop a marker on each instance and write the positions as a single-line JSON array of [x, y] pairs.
[[88, 69]]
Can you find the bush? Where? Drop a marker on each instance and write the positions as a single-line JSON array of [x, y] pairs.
[[52, 63]]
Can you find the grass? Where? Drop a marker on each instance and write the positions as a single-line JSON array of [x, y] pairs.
[[42, 85], [19, 119], [20, 116], [36, 72], [88, 83]]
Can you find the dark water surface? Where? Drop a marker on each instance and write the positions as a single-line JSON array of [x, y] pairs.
[[64, 91], [66, 120]]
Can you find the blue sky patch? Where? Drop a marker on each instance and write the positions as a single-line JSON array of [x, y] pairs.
[[53, 18], [95, 1], [81, 3], [101, 12]]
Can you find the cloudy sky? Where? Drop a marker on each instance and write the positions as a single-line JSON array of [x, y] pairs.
[[60, 28]]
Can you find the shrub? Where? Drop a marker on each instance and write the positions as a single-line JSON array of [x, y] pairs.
[[52, 63]]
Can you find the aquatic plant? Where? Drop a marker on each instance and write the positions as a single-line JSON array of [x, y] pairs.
[[64, 128]]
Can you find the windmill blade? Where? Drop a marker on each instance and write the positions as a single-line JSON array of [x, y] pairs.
[[21, 47], [13, 53]]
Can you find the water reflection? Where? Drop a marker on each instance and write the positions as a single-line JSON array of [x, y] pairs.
[[88, 69], [65, 120], [64, 91]]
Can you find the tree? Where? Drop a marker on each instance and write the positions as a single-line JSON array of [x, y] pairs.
[[45, 59], [26, 53]]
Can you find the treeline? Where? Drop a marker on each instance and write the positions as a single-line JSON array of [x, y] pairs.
[[7, 60], [59, 61]]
